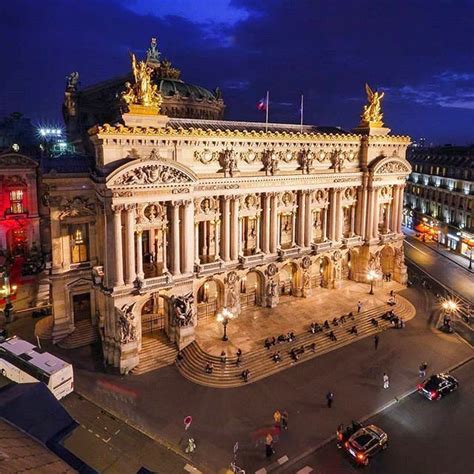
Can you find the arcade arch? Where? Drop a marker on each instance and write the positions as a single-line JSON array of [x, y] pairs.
[[210, 297]]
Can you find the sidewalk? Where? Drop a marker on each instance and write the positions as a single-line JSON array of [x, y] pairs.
[[460, 260]]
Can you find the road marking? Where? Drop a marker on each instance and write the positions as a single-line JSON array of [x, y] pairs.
[[283, 459], [192, 469], [106, 440], [117, 432], [416, 248], [305, 470]]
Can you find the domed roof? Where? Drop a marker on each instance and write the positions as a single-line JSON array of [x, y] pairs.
[[176, 87]]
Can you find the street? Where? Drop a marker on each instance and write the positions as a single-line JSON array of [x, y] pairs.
[[439, 267], [424, 436], [157, 402]]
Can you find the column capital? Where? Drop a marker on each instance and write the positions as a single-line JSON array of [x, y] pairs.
[[117, 208], [130, 207]]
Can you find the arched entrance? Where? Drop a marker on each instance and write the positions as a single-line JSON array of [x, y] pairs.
[[209, 298], [387, 260], [325, 271], [153, 314], [287, 277], [251, 290]]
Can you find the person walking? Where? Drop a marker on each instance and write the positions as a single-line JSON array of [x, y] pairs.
[[386, 381], [284, 420], [422, 369], [329, 398], [269, 445], [277, 418], [359, 307], [376, 341]]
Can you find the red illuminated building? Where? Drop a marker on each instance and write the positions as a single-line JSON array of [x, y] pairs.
[[19, 219]]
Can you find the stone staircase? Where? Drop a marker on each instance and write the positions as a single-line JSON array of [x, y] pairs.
[[156, 352], [83, 335], [260, 363], [44, 328]]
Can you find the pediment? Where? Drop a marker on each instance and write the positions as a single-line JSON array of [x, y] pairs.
[[151, 173], [15, 160], [391, 165]]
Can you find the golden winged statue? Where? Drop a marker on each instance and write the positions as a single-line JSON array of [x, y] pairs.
[[372, 112], [143, 91]]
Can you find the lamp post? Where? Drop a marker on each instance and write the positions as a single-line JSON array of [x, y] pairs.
[[470, 258], [449, 307], [224, 316], [6, 291], [371, 276]]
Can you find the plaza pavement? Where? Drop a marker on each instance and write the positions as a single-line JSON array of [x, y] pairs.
[[160, 400]]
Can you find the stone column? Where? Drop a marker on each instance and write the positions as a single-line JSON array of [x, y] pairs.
[[388, 217], [257, 244], [339, 215], [324, 224], [225, 247], [234, 233], [301, 219], [240, 236], [394, 206], [188, 243], [266, 224], [278, 236], [216, 237], [164, 244], [400, 209], [308, 227], [196, 243], [370, 214], [332, 215], [293, 227], [175, 261], [353, 209], [363, 213], [131, 272], [139, 241], [274, 224], [376, 214], [118, 280]]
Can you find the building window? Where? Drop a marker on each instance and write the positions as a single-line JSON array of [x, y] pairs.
[[79, 239], [16, 201]]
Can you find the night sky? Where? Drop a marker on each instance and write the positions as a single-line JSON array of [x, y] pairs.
[[421, 52]]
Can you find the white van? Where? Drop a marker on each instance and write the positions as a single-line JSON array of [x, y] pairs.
[[23, 362]]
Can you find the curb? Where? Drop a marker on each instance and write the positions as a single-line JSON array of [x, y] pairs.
[[274, 467]]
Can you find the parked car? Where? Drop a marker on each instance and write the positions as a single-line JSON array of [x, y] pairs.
[[364, 443], [437, 386]]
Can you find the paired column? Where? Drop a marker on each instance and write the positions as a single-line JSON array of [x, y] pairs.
[[332, 215], [175, 239], [139, 242], [266, 224], [339, 215], [118, 280], [324, 224], [376, 214], [301, 219], [353, 218], [274, 230], [225, 240], [308, 231], [400, 209], [131, 273], [394, 206], [235, 238], [196, 243], [188, 250]]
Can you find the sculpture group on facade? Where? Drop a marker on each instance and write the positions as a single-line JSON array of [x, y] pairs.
[[127, 325], [182, 307], [372, 112], [153, 174]]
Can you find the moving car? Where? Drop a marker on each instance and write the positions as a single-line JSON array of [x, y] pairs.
[[365, 443], [437, 386]]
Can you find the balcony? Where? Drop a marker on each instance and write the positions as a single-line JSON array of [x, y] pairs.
[[207, 268], [292, 252], [352, 241], [252, 260], [319, 247], [388, 237]]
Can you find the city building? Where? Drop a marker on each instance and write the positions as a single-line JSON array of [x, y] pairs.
[[172, 218], [439, 199], [19, 219]]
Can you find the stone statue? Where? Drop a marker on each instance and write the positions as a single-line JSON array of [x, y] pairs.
[[182, 309], [218, 93], [270, 162], [372, 111], [272, 289], [126, 325], [72, 81], [306, 161], [229, 162], [152, 53]]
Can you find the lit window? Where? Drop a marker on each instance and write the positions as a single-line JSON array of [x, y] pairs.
[[79, 243], [16, 201]]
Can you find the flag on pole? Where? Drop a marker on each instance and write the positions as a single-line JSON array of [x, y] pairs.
[[301, 114], [263, 105]]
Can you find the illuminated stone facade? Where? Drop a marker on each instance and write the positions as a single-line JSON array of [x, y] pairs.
[[179, 220]]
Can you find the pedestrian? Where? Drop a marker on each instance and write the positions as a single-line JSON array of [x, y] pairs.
[[223, 357], [239, 357], [284, 420], [422, 369], [269, 445], [329, 398], [386, 381], [179, 358], [191, 447], [359, 307], [277, 418], [376, 341]]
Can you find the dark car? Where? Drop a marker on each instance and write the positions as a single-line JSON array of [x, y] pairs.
[[437, 386], [365, 443]]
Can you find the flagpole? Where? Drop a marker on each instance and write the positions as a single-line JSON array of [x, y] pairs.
[[301, 112], [266, 111]]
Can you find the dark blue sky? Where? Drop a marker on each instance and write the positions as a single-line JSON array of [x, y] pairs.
[[421, 52]]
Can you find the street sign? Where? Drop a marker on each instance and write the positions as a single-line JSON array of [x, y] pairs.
[[187, 421], [236, 447]]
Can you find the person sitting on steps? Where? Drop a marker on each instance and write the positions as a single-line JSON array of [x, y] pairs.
[[209, 368], [353, 330], [374, 322], [332, 336], [326, 324], [276, 357]]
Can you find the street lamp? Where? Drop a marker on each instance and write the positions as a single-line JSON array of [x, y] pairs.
[[470, 258], [224, 316], [371, 276]]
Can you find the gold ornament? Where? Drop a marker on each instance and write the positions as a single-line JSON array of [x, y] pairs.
[[372, 113]]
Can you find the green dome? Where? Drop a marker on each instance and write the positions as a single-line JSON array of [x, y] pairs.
[[173, 87]]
